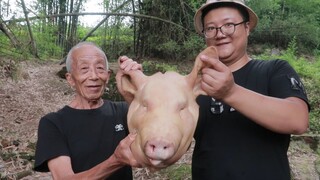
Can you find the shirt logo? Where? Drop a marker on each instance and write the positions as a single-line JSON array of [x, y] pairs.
[[216, 107], [297, 85], [119, 127], [232, 109]]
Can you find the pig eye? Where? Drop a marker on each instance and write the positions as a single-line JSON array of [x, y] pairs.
[[182, 106], [144, 103]]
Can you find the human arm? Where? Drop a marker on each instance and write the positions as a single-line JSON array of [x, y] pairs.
[[125, 65], [60, 167], [287, 115]]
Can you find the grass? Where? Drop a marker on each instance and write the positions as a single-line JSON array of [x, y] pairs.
[[178, 172]]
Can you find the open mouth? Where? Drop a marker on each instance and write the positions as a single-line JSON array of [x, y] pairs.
[[221, 44], [94, 87]]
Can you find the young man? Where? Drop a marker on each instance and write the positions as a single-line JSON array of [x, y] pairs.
[[87, 138], [252, 106]]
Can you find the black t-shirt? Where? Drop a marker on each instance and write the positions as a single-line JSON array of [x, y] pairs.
[[231, 146], [88, 137]]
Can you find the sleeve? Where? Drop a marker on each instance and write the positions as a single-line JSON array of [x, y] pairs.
[[51, 142], [285, 82]]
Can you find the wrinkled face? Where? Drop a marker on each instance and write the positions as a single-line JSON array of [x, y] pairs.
[[229, 47], [164, 113], [88, 73]]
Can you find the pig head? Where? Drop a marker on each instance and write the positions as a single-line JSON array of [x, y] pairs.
[[163, 112]]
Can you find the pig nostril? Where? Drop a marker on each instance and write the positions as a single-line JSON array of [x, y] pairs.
[[153, 147], [157, 149]]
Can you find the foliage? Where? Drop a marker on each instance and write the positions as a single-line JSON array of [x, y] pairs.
[[291, 51], [169, 49], [167, 36], [280, 21], [152, 66], [115, 42], [192, 46], [46, 44]]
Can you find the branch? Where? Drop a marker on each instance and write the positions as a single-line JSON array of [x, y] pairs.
[[101, 22], [33, 43], [100, 14]]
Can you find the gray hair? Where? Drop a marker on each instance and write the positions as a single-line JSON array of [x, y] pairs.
[[69, 59]]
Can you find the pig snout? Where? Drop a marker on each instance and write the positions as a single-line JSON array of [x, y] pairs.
[[158, 150]]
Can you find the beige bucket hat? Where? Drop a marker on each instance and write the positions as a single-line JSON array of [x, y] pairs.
[[253, 18]]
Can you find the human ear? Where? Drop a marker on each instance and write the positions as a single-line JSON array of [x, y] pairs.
[[70, 79], [247, 28], [109, 72]]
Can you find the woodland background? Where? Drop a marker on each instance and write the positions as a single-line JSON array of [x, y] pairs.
[[145, 28], [157, 33]]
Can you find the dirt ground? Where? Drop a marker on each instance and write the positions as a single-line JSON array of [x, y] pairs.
[[38, 90]]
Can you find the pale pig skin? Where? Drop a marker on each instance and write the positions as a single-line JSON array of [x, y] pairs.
[[164, 113]]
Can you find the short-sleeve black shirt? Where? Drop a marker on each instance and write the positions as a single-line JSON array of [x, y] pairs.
[[88, 137], [231, 146]]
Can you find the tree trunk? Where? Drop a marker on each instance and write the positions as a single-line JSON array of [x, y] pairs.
[[62, 25], [33, 43], [134, 27], [4, 28], [139, 49]]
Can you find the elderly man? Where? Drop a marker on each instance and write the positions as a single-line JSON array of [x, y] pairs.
[[252, 106], [86, 139]]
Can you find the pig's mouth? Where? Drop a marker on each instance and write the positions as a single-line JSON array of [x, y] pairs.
[[158, 151], [156, 162]]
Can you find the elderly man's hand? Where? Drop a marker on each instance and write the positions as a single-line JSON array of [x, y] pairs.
[[123, 152], [126, 65]]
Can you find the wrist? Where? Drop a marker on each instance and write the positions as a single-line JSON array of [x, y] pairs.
[[231, 95]]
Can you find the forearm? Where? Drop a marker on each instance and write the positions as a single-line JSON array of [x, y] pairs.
[[101, 171], [61, 169], [289, 116]]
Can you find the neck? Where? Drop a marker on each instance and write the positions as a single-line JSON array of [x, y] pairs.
[[86, 104], [238, 64]]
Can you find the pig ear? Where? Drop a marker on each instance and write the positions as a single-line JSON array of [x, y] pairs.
[[194, 78], [129, 82]]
